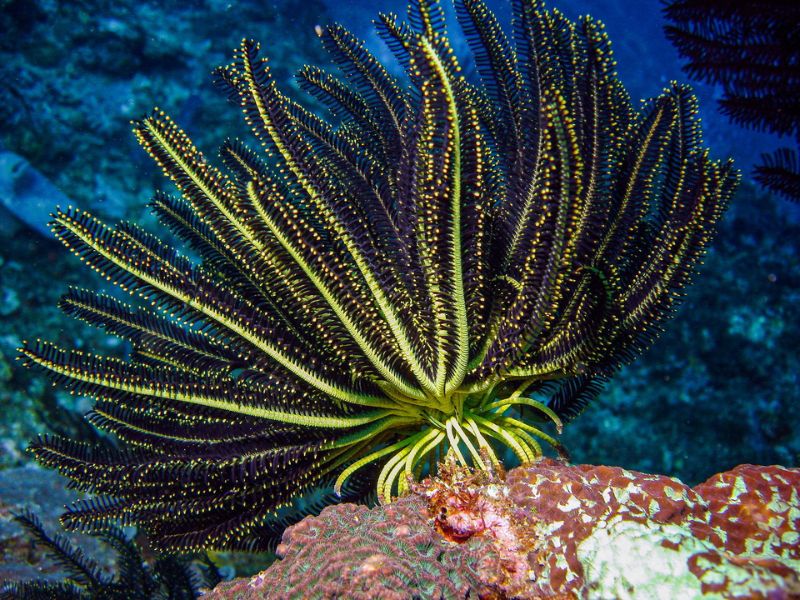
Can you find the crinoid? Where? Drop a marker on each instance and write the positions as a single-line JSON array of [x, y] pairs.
[[445, 268], [752, 51], [168, 577]]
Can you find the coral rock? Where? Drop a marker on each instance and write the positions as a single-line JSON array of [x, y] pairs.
[[550, 530], [350, 551]]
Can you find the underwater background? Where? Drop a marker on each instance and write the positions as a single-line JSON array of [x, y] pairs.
[[718, 388]]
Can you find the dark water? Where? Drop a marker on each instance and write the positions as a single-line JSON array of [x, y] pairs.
[[719, 388]]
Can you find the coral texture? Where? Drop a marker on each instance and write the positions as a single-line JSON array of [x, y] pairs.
[[549, 530]]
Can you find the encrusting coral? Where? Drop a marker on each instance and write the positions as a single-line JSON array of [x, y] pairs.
[[549, 530], [448, 267]]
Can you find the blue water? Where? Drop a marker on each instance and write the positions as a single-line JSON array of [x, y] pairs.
[[646, 60]]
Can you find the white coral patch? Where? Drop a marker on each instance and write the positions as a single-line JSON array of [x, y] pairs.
[[629, 560], [571, 504], [626, 559]]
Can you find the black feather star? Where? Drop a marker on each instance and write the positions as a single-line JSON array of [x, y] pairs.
[[386, 290], [752, 50], [171, 577]]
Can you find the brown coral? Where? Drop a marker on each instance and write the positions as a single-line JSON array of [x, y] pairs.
[[350, 551], [550, 530]]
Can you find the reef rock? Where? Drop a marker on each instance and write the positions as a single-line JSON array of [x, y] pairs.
[[550, 530], [26, 194]]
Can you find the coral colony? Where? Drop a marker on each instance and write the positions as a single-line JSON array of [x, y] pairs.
[[450, 265], [549, 530]]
